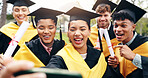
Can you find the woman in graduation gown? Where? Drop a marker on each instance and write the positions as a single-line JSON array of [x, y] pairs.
[[40, 50], [78, 56], [8, 31]]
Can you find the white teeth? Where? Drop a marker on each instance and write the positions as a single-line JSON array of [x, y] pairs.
[[46, 36], [119, 34], [78, 39], [20, 17]]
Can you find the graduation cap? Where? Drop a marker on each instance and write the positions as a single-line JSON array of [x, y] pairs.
[[21, 2], [98, 2], [81, 14], [44, 13], [135, 12]]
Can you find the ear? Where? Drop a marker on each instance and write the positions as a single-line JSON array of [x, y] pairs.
[[68, 37], [13, 14], [134, 26], [68, 34]]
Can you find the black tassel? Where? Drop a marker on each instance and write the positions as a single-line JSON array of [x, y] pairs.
[[100, 41], [32, 22]]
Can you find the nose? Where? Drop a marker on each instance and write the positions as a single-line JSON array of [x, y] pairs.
[[77, 33], [46, 31], [102, 18], [21, 12], [118, 29]]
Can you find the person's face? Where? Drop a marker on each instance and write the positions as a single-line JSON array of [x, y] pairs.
[[104, 20], [20, 13], [78, 33], [46, 30], [123, 30]]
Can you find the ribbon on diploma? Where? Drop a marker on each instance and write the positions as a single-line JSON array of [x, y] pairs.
[[15, 40]]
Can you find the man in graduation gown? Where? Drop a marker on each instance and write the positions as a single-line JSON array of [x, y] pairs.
[[40, 50], [132, 45], [104, 8], [8, 31], [78, 56]]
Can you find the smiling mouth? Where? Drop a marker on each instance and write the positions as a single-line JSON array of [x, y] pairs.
[[78, 41], [21, 18], [119, 35], [46, 37]]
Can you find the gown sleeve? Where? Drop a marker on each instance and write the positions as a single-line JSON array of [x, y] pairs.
[[56, 62]]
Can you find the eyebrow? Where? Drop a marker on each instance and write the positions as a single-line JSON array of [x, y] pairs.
[[83, 26], [51, 25], [121, 22], [72, 27]]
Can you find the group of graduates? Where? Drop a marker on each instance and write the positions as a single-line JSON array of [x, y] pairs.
[[38, 48]]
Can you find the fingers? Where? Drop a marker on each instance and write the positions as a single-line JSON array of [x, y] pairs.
[[7, 60], [19, 66], [118, 46], [33, 75], [113, 61], [1, 59], [14, 67]]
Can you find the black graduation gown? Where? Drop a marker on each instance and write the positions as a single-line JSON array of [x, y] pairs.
[[39, 51], [145, 66], [91, 60], [5, 40], [139, 40]]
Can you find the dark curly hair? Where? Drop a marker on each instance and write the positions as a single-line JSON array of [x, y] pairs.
[[122, 16]]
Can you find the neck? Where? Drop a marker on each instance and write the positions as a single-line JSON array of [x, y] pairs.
[[20, 22], [128, 39], [82, 50]]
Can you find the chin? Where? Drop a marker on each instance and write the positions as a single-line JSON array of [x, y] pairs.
[[78, 46], [47, 42], [120, 40]]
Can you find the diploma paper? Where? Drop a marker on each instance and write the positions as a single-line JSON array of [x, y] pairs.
[[108, 42], [16, 39]]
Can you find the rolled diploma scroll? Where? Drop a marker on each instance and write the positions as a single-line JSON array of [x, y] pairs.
[[101, 30], [16, 39], [108, 42]]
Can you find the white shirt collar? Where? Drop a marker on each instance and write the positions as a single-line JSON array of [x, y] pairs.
[[84, 55]]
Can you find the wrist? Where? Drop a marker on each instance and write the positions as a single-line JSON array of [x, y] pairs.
[[133, 56]]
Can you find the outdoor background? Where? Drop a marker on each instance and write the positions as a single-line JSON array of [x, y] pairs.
[[63, 5]]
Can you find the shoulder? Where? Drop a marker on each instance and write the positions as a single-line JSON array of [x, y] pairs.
[[59, 43], [140, 39], [32, 43], [9, 24], [93, 52]]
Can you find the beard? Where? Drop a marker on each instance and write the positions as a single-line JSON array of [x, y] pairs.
[[103, 25]]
